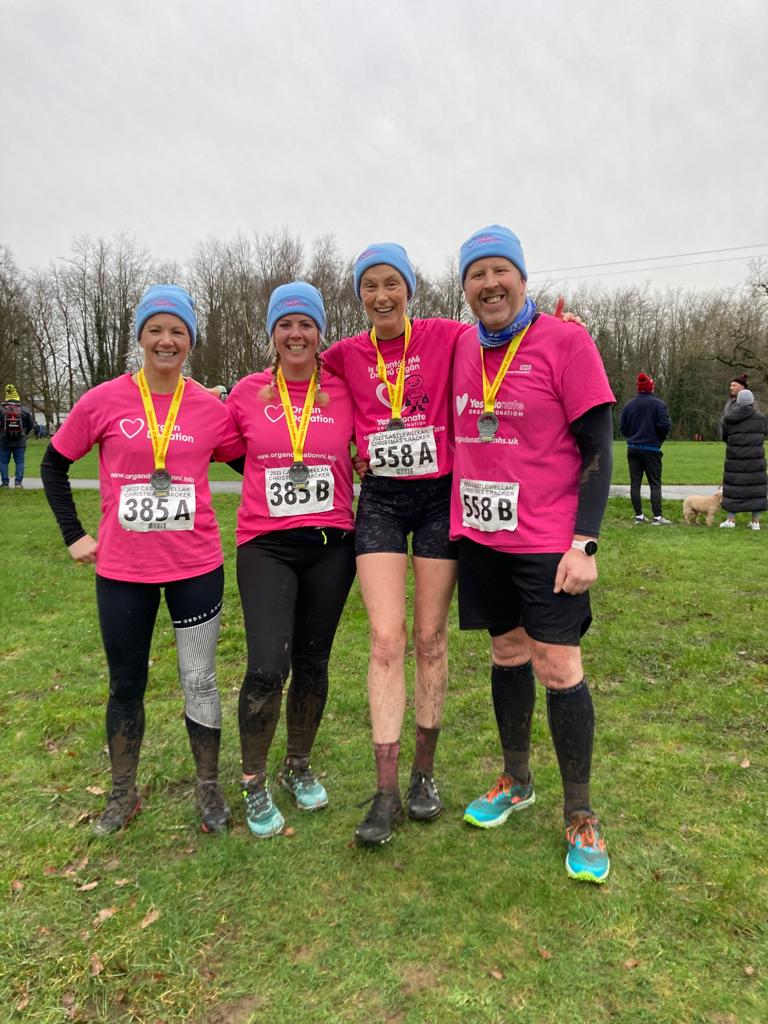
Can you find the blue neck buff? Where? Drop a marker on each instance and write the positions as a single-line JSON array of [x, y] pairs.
[[492, 339]]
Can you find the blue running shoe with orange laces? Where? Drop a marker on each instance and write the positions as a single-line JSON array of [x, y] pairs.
[[498, 803], [587, 859]]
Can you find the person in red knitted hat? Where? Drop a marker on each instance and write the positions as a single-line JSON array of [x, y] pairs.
[[645, 423]]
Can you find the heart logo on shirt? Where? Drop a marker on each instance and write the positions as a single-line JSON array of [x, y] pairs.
[[274, 412], [382, 395], [461, 403], [131, 427]]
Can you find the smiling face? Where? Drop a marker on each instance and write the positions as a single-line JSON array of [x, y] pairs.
[[296, 338], [166, 342], [385, 298], [495, 291]]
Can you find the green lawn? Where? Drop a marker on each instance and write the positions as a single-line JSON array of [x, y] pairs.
[[446, 924], [685, 462]]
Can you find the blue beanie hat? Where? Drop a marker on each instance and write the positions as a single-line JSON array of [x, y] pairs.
[[167, 298], [392, 255], [494, 240], [296, 297]]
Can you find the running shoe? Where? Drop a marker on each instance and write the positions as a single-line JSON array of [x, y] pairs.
[[753, 525], [728, 524], [587, 858], [385, 815], [424, 801], [640, 519], [213, 808], [122, 805], [660, 521], [264, 819], [304, 786], [498, 803]]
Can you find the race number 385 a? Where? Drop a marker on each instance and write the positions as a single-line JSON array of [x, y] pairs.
[[403, 452], [488, 505], [284, 498], [142, 511]]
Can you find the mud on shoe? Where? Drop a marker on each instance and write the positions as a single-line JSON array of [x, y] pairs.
[[122, 806], [264, 819], [304, 786], [214, 812], [423, 799], [385, 815]]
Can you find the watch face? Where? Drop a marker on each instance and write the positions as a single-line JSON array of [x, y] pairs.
[[590, 548]]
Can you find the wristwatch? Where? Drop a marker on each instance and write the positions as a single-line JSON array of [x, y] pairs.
[[589, 547]]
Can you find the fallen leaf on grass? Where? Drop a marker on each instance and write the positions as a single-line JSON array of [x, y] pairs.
[[122, 881], [96, 966], [23, 1003], [104, 915], [95, 790], [544, 953], [630, 965], [51, 746], [150, 918], [112, 864], [497, 974], [50, 871], [749, 970], [87, 887], [289, 832], [16, 885], [68, 999], [746, 763]]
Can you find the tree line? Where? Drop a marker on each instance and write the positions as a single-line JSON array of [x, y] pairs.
[[68, 327]]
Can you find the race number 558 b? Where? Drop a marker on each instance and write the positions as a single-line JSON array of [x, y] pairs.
[[488, 505]]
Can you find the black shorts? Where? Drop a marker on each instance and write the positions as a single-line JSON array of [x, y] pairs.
[[389, 509], [500, 591]]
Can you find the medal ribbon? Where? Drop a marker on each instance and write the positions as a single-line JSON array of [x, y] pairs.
[[159, 442], [395, 391], [491, 390], [298, 432]]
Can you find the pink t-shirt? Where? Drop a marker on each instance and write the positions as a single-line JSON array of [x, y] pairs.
[[112, 416], [533, 463], [426, 397], [270, 501]]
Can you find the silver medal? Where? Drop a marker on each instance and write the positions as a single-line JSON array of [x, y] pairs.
[[160, 482], [298, 474], [396, 424], [487, 425]]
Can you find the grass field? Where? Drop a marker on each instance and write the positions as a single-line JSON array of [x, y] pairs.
[[685, 462], [446, 924]]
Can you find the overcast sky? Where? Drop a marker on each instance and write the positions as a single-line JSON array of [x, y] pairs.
[[598, 130]]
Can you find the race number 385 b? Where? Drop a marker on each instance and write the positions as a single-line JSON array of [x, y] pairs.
[[285, 498], [142, 511], [403, 452], [488, 505]]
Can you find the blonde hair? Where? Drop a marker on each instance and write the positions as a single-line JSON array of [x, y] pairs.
[[269, 392]]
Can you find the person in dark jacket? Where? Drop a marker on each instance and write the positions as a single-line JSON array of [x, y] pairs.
[[15, 423], [645, 423], [745, 481]]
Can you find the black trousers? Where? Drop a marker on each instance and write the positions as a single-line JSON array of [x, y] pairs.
[[648, 463]]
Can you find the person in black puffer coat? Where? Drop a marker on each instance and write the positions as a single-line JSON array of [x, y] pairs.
[[745, 481]]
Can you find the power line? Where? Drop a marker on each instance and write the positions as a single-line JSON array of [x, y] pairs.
[[648, 259], [640, 270]]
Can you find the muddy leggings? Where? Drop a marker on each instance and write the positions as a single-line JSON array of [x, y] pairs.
[[293, 586], [127, 614]]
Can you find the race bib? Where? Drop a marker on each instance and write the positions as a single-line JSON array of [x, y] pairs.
[[403, 452], [141, 510], [489, 506], [284, 498]]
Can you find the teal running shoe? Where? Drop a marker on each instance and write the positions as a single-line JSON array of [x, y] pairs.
[[305, 788], [587, 858], [264, 819], [495, 807]]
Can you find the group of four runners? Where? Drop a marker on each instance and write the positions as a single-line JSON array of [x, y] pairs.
[[489, 446]]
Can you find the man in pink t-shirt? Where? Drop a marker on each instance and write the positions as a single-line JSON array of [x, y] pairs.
[[532, 467]]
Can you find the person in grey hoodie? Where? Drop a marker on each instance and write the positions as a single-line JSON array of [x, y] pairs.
[[745, 481], [645, 423]]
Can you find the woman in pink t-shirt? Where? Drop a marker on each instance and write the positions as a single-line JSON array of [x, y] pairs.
[[399, 373], [295, 554], [156, 438]]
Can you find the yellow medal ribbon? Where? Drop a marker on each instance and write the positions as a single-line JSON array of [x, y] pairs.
[[298, 432], [395, 391], [491, 390], [160, 442]]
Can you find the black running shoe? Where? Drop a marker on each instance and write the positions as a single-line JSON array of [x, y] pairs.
[[424, 801], [386, 813], [122, 805], [213, 808]]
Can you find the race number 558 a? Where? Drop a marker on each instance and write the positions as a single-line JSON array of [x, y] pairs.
[[403, 452], [488, 505]]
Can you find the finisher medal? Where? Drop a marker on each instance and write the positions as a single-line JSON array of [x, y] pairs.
[[395, 424], [487, 425], [160, 482], [298, 474]]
